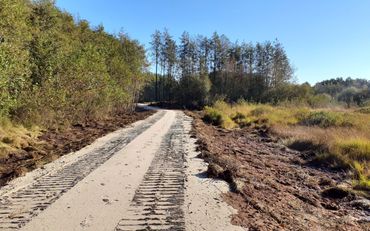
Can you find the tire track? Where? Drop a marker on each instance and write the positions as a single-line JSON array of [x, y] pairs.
[[158, 202], [18, 208]]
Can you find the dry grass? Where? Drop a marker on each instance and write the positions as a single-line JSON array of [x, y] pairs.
[[340, 137], [14, 137]]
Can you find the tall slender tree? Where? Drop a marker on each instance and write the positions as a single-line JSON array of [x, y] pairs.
[[156, 48]]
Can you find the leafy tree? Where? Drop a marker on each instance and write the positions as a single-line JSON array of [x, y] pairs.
[[14, 57], [56, 70]]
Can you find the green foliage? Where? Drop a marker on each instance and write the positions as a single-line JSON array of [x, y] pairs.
[[193, 91], [218, 118], [363, 177], [14, 58], [210, 68], [350, 91], [241, 119], [54, 70], [212, 116]]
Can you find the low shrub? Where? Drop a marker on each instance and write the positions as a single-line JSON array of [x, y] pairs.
[[212, 116], [323, 119], [217, 118]]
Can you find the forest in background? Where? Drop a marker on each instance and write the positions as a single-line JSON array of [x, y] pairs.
[[56, 70], [200, 70]]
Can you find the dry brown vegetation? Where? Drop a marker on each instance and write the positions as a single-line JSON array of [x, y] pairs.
[[336, 137], [276, 188]]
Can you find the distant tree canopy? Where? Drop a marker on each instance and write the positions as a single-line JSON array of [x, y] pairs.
[[55, 69], [199, 69], [351, 91]]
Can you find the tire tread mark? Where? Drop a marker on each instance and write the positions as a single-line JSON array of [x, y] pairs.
[[18, 208], [158, 201]]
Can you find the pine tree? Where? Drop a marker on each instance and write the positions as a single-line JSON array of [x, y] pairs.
[[156, 48]]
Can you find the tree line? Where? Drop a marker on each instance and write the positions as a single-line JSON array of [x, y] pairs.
[[193, 71], [350, 91], [55, 69], [199, 69]]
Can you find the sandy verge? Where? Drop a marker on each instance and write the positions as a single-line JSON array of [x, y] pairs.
[[204, 206], [278, 189]]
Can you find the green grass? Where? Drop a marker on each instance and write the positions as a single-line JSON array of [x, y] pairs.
[[218, 118], [356, 149], [362, 181], [241, 119]]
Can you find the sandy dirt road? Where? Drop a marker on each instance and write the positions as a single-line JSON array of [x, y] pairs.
[[143, 177]]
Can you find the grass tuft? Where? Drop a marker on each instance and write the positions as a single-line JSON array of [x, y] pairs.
[[324, 119], [357, 149]]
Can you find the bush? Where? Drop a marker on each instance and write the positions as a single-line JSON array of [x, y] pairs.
[[321, 119], [218, 118], [212, 116]]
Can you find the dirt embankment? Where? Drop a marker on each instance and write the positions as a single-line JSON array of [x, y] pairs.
[[276, 188], [55, 143]]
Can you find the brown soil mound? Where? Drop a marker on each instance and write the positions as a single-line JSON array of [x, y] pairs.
[[55, 143], [277, 190]]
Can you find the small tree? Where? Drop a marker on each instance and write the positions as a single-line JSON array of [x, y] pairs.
[[348, 95]]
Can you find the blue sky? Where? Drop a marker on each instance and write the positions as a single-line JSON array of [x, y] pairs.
[[323, 38]]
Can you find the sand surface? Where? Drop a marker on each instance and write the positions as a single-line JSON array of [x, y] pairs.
[[149, 179]]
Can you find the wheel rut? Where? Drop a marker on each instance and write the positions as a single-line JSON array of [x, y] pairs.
[[19, 207], [158, 201]]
